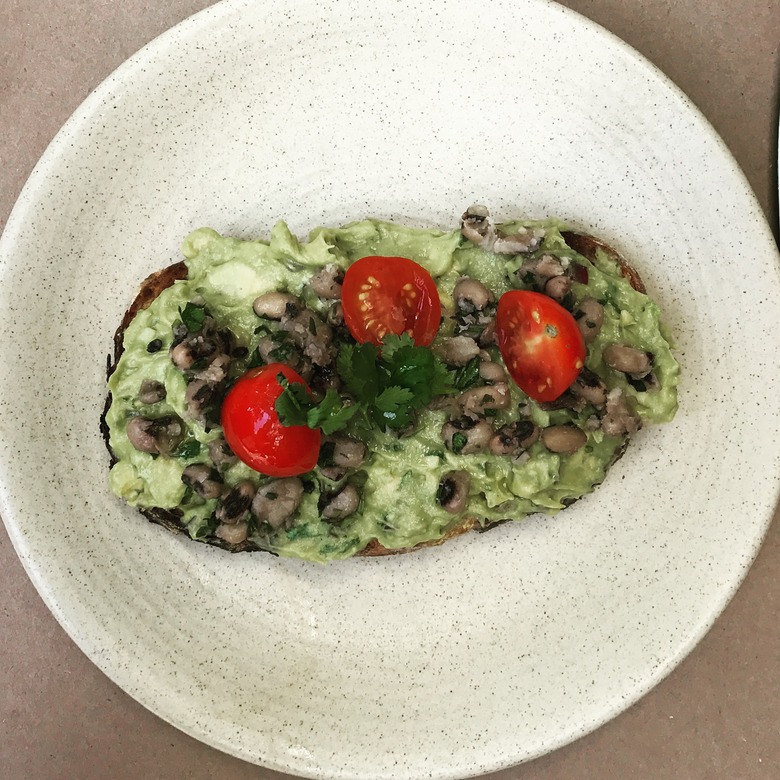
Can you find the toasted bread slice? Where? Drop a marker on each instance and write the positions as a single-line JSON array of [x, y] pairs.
[[170, 519]]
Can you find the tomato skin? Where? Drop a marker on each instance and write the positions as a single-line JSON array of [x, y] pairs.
[[382, 295], [540, 342], [252, 427]]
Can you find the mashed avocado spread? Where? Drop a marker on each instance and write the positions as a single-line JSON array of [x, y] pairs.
[[400, 480]]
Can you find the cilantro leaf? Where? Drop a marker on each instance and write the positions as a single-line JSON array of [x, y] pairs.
[[418, 369], [441, 380], [392, 343], [255, 359], [331, 414], [188, 448], [392, 398], [468, 375], [394, 406], [459, 441], [357, 366], [384, 388], [293, 405], [296, 406], [192, 316]]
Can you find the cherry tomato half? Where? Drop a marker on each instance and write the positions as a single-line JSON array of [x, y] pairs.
[[382, 295], [540, 343], [252, 427]]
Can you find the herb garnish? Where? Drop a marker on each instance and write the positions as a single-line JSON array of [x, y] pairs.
[[459, 441], [296, 406], [188, 448], [386, 387], [468, 375], [392, 384], [192, 316]]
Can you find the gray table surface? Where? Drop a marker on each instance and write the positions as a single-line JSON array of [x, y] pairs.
[[716, 716]]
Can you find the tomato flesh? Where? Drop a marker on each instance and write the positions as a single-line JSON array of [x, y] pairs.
[[382, 295], [540, 342], [253, 430]]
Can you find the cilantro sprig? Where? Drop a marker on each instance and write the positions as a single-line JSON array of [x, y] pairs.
[[297, 406], [386, 388], [393, 383]]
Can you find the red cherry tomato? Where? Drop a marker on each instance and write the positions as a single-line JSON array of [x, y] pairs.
[[540, 342], [252, 427], [382, 295]]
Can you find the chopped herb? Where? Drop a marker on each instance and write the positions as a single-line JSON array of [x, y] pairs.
[[206, 528], [255, 360], [326, 454], [189, 448], [300, 532], [459, 441], [445, 491], [283, 351], [193, 316], [312, 326], [468, 375], [271, 496]]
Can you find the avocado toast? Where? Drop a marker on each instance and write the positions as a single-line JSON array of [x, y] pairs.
[[414, 434]]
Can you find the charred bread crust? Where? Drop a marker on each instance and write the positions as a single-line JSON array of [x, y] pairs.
[[170, 519], [587, 246], [149, 289]]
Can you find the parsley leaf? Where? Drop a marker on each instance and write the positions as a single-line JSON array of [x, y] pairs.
[[392, 343], [391, 398]]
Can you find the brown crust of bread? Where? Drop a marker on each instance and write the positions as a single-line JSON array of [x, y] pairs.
[[170, 519], [587, 246]]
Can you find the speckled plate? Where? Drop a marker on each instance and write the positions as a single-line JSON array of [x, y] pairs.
[[494, 648]]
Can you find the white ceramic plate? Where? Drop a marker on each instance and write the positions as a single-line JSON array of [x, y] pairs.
[[494, 648]]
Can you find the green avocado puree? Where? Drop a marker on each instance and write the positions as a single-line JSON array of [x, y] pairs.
[[399, 480]]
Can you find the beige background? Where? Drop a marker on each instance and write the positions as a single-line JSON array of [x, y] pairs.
[[716, 716]]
